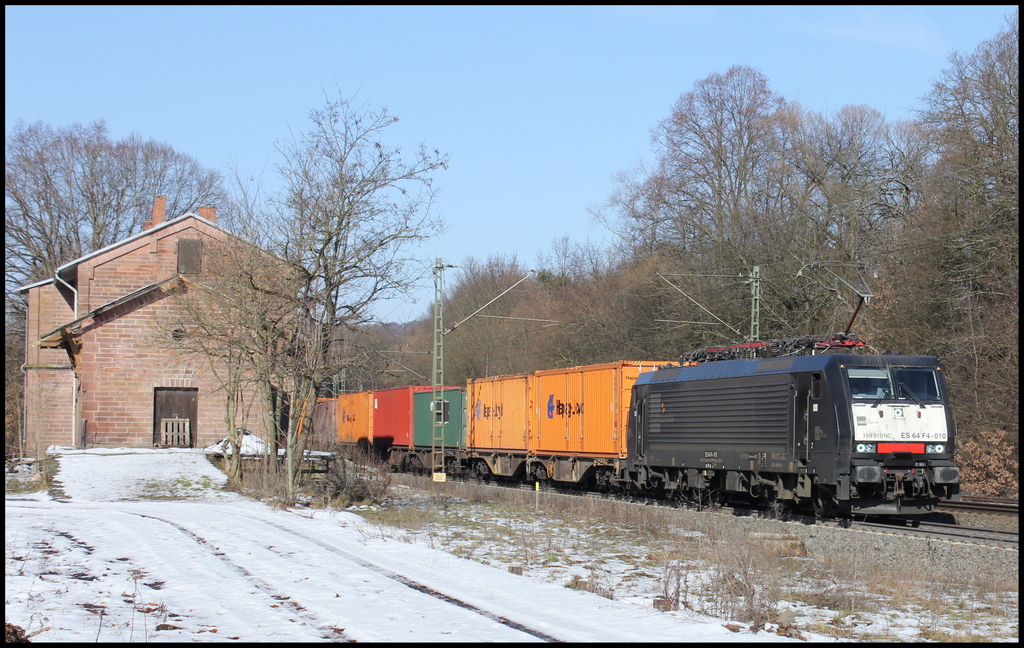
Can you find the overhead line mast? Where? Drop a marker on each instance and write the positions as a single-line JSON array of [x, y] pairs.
[[437, 378], [755, 303], [437, 405]]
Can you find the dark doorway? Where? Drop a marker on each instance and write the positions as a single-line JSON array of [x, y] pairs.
[[174, 416]]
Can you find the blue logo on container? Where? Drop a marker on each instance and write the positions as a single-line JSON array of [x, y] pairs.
[[558, 408], [478, 409]]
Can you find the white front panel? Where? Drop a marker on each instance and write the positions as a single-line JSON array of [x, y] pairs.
[[899, 423]]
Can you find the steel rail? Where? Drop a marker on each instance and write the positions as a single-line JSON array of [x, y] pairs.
[[977, 504]]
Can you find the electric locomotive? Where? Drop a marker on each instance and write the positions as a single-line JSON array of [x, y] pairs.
[[841, 433]]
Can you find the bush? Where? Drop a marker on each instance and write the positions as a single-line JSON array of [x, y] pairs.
[[360, 477], [989, 464]]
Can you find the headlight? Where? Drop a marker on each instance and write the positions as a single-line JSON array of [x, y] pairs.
[[865, 447], [934, 448]]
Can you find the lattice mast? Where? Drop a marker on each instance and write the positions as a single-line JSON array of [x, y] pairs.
[[437, 378]]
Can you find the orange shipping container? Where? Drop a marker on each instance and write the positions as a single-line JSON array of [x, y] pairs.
[[355, 418], [498, 410], [583, 410]]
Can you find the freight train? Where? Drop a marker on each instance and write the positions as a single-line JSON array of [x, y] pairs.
[[837, 433]]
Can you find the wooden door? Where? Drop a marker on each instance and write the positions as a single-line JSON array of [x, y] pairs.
[[170, 403]]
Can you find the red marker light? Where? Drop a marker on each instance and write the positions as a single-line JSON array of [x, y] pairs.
[[916, 448]]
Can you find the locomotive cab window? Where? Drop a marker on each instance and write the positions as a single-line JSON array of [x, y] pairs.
[[816, 385], [869, 382], [905, 383], [916, 383]]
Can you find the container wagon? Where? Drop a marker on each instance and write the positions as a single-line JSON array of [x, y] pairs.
[[416, 454], [563, 425]]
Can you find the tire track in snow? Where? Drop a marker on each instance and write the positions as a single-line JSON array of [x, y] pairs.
[[408, 582], [326, 630]]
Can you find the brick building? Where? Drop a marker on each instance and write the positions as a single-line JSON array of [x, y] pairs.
[[96, 373]]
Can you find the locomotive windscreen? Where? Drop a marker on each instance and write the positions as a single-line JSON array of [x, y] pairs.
[[916, 382], [911, 383]]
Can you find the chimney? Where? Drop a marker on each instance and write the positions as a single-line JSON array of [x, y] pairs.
[[159, 212], [209, 213], [159, 209]]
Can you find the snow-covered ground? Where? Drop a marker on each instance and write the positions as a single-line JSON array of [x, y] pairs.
[[144, 545]]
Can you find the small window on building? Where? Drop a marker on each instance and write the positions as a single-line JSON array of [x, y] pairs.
[[190, 256]]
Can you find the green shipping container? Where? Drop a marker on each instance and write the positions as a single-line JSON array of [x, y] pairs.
[[455, 422]]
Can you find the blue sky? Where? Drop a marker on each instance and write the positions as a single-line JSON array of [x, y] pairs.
[[538, 106]]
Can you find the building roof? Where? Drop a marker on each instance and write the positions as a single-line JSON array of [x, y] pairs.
[[35, 285], [69, 271], [56, 337]]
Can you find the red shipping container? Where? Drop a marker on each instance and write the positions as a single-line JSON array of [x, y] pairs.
[[393, 416]]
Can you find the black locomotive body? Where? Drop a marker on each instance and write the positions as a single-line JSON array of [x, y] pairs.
[[841, 433]]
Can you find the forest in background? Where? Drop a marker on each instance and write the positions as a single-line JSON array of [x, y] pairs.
[[924, 212]]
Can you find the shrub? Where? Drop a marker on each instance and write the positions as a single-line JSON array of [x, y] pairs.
[[360, 477], [989, 464]]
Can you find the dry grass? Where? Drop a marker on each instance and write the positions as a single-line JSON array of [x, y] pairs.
[[32, 476], [355, 478]]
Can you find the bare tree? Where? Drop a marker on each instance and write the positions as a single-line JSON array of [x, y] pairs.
[[14, 357], [744, 178], [638, 215], [717, 145], [349, 208], [955, 284], [717, 202], [219, 321], [70, 191]]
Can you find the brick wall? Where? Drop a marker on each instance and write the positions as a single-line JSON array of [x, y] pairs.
[[49, 416], [124, 360]]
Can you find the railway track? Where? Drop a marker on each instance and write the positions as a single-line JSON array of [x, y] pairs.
[[941, 531], [985, 505]]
